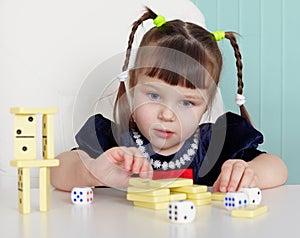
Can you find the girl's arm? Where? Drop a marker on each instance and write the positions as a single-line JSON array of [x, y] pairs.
[[72, 171], [113, 168], [270, 170], [264, 171]]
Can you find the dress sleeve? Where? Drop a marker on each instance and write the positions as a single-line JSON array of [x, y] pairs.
[[231, 137], [96, 136]]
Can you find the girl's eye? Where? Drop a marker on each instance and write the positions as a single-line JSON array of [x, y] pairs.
[[186, 103], [154, 96]]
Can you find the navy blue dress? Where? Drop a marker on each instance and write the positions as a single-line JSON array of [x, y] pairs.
[[230, 137]]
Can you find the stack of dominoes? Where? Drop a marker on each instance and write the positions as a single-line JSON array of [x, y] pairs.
[[156, 194], [198, 194]]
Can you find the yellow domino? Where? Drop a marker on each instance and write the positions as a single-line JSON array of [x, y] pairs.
[[249, 211], [170, 183], [25, 149], [48, 136], [154, 206], [195, 188], [32, 110], [218, 196], [34, 163], [44, 189], [177, 196], [139, 182], [24, 190], [25, 137], [149, 191], [141, 198], [199, 195], [201, 202]]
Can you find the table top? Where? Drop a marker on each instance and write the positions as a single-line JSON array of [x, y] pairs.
[[112, 216]]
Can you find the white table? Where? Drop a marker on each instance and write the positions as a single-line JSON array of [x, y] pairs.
[[112, 216]]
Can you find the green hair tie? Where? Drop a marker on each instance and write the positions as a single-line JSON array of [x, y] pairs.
[[219, 35], [159, 20]]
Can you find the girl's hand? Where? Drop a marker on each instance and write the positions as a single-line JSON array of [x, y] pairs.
[[235, 174], [115, 166]]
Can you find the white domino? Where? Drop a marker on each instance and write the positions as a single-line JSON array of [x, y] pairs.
[[82, 195], [183, 211]]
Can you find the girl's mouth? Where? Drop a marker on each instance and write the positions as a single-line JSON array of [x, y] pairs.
[[163, 133]]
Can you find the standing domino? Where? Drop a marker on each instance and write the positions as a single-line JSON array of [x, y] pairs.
[[183, 211], [82, 195], [235, 199], [254, 195]]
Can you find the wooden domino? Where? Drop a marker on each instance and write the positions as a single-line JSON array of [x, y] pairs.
[[177, 196], [170, 183], [148, 191], [199, 196], [249, 211], [48, 136], [24, 190], [201, 202], [139, 182], [25, 137], [151, 199], [218, 196], [154, 206], [195, 188]]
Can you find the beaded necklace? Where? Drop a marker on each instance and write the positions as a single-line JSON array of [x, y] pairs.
[[179, 159]]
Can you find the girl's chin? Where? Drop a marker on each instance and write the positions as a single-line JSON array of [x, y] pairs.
[[165, 150]]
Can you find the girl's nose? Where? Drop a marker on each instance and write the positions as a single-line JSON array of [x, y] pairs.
[[166, 114]]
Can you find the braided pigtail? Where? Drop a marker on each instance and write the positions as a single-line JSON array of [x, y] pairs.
[[122, 112], [149, 14], [231, 37]]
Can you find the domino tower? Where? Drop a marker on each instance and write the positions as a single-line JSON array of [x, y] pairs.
[[25, 146]]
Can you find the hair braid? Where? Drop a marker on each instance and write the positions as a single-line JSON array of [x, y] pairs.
[[121, 111], [239, 65], [149, 14]]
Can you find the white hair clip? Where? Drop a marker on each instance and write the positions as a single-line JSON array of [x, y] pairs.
[[240, 99], [123, 76]]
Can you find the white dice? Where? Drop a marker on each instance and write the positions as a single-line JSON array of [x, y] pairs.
[[181, 211], [235, 199], [254, 195], [82, 195]]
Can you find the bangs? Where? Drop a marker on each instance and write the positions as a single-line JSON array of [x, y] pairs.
[[173, 67]]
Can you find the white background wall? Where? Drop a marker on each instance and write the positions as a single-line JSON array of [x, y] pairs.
[[49, 49]]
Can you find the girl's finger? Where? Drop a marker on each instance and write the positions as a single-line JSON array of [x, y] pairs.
[[146, 170], [247, 178], [238, 169], [225, 175], [216, 185]]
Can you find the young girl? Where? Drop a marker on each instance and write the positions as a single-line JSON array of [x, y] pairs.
[[156, 132]]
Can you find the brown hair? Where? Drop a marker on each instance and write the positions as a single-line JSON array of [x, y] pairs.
[[179, 53]]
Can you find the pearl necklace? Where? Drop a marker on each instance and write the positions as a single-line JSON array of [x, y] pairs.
[[174, 163]]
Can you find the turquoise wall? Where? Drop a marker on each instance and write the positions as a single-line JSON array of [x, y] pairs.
[[268, 40]]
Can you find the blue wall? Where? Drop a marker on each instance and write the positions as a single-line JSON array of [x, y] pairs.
[[270, 52]]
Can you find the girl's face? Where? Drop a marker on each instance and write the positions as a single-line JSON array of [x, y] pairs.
[[167, 115]]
